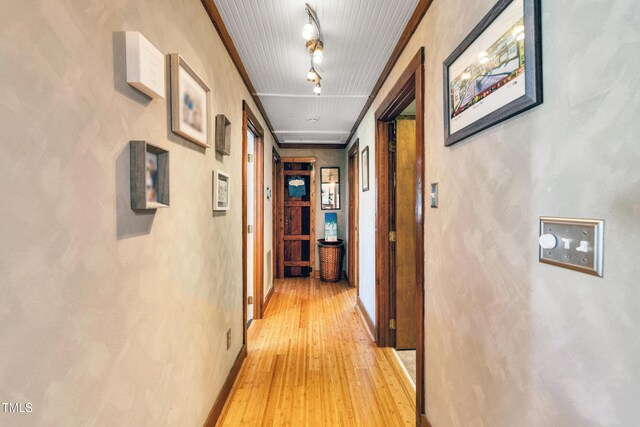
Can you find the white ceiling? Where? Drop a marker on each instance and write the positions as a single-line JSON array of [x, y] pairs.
[[358, 36]]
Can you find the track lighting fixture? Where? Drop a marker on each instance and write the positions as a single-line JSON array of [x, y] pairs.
[[315, 47]]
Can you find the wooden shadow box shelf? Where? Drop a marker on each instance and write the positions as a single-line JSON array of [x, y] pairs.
[[143, 156]]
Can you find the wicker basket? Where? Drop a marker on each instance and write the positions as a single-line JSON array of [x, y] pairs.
[[330, 260]]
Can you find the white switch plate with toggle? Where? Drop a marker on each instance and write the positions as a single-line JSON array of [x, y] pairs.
[[434, 195], [577, 244]]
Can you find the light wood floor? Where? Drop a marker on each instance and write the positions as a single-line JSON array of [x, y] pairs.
[[311, 362]]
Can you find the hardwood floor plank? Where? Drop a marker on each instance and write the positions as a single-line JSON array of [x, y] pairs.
[[312, 363]]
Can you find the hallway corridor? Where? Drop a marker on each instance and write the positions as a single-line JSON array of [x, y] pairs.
[[311, 362], [176, 174]]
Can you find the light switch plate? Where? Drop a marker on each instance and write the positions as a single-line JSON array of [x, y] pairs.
[[579, 244], [434, 195]]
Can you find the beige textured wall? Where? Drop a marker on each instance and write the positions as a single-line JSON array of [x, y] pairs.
[[326, 158], [510, 341], [107, 317]]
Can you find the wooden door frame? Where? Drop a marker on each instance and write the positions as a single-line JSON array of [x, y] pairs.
[[276, 192], [353, 275], [409, 86], [250, 123]]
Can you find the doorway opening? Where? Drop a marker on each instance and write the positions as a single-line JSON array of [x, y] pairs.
[[402, 161], [252, 217], [400, 221]]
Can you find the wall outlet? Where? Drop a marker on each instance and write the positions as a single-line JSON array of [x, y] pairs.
[[229, 339]]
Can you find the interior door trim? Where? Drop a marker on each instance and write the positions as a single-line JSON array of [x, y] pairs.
[[353, 274], [250, 123], [410, 85]]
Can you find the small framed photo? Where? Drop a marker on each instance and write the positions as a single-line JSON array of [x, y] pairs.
[[223, 135], [330, 188], [496, 72], [149, 174], [221, 191], [365, 169], [190, 104]]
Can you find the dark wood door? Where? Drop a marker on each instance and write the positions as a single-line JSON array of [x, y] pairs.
[[298, 247], [293, 237]]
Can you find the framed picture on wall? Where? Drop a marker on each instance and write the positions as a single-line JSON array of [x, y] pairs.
[[365, 169], [330, 188], [221, 191], [149, 175], [496, 72], [190, 104]]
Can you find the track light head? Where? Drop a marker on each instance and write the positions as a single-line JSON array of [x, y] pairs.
[[317, 53], [308, 31], [313, 76]]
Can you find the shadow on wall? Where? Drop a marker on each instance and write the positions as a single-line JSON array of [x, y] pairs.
[[129, 223]]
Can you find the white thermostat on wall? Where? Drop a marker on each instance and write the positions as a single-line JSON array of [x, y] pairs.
[[145, 65]]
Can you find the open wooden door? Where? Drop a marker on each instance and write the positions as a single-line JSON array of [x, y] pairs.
[[405, 226]]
